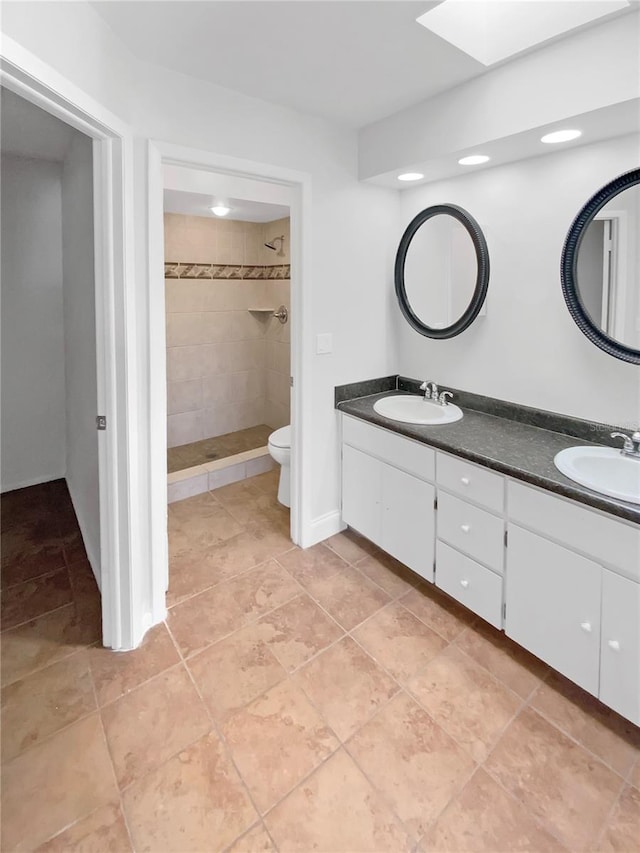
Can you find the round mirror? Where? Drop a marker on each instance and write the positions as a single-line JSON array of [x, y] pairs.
[[601, 268], [442, 271]]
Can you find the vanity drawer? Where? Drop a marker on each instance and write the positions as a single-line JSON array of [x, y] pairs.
[[471, 584], [472, 530], [403, 453], [605, 540], [471, 482]]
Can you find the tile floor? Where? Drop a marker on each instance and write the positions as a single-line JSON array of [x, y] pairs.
[[220, 447], [294, 700]]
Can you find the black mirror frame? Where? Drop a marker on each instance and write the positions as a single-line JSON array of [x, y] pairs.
[[569, 267], [482, 279]]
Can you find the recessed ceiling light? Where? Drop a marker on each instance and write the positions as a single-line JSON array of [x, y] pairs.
[[411, 176], [560, 136], [220, 210], [474, 160]]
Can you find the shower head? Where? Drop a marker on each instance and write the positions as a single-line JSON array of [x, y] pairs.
[[269, 244]]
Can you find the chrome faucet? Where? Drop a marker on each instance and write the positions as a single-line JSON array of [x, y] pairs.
[[631, 446], [430, 390]]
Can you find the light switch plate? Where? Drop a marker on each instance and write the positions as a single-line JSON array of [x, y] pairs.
[[324, 343]]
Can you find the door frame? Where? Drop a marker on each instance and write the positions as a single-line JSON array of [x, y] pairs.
[[120, 531], [160, 154]]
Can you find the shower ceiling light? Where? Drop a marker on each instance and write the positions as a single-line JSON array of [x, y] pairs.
[[474, 160], [411, 176], [220, 210], [560, 136]]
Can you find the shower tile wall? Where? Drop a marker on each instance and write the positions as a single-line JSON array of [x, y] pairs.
[[227, 369]]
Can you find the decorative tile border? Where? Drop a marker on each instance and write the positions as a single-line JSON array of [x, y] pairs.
[[229, 271]]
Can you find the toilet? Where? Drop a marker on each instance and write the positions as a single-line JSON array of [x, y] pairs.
[[280, 449]]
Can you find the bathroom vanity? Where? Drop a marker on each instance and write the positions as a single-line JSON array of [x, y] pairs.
[[478, 509]]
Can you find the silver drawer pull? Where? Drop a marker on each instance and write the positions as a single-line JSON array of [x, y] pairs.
[[465, 528], [586, 627], [464, 584], [614, 645], [465, 481]]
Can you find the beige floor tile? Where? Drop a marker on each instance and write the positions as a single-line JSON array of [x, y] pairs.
[[394, 577], [257, 840], [31, 560], [199, 526], [45, 640], [634, 776], [346, 685], [399, 641], [622, 831], [103, 831], [483, 818], [297, 631], [336, 811], [55, 784], [439, 612], [235, 671], [276, 536], [465, 699], [312, 564], [612, 738], [193, 571], [410, 759], [27, 601], [116, 673], [268, 482], [504, 659], [276, 741], [348, 596], [194, 802], [153, 722], [45, 702], [215, 613], [351, 546], [562, 784]]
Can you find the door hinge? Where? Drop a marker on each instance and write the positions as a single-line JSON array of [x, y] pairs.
[[506, 538], [101, 422], [504, 611], [291, 381], [435, 503]]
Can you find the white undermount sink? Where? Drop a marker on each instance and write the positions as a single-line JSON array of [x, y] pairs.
[[417, 410], [603, 469]]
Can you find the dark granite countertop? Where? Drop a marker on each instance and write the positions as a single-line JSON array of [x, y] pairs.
[[518, 449]]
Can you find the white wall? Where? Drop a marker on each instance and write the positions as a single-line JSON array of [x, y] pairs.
[[80, 343], [33, 381], [527, 349]]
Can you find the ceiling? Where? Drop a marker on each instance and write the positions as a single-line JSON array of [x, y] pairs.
[[351, 61], [198, 204], [28, 131]]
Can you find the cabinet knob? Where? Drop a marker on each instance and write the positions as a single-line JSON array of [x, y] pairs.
[[465, 528], [465, 481], [614, 644], [586, 627], [464, 584]]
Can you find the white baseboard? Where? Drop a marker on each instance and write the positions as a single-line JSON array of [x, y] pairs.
[[322, 528], [33, 481]]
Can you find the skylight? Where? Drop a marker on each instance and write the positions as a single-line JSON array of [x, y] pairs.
[[493, 30]]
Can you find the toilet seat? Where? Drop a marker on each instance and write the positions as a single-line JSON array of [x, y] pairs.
[[281, 437]]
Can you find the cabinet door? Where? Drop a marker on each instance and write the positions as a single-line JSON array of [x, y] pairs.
[[408, 520], [361, 493], [620, 663], [553, 601]]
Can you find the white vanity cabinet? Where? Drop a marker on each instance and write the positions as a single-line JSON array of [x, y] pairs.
[[388, 505], [573, 593], [564, 581]]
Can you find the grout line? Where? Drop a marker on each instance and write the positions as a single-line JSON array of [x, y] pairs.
[[218, 732]]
